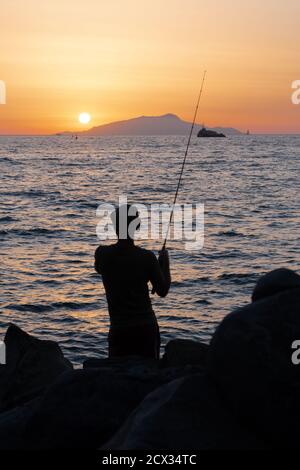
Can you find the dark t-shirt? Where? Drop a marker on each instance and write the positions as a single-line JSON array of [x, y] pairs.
[[126, 271]]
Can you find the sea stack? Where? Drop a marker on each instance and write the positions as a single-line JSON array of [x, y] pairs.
[[208, 133]]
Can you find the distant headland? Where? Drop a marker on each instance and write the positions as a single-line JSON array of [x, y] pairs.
[[167, 124]]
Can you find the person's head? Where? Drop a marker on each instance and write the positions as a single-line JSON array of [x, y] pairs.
[[126, 221]]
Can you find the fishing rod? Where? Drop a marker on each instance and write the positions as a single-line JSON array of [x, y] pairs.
[[184, 160]]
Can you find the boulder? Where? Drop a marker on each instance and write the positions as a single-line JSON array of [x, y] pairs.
[[141, 367], [241, 392], [72, 409], [85, 408], [181, 352], [274, 282], [250, 360], [132, 364], [13, 426], [31, 366], [187, 413]]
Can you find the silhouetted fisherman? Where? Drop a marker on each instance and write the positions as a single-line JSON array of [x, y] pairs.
[[126, 270]]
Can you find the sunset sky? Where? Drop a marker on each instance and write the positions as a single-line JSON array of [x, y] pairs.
[[118, 59]]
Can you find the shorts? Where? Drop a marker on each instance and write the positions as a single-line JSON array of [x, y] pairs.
[[140, 340]]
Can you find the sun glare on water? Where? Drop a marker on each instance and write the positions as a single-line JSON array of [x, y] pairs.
[[84, 118]]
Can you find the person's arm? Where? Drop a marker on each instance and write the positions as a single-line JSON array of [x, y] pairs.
[[160, 277], [97, 260]]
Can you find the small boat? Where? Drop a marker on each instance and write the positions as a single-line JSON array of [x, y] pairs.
[[208, 133]]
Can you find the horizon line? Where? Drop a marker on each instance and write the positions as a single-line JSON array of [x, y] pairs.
[[66, 134], [83, 132]]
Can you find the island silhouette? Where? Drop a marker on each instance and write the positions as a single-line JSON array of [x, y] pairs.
[[167, 124]]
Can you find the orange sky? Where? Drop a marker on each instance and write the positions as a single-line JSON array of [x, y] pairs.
[[118, 59]]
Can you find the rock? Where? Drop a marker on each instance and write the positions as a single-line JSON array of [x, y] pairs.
[[141, 367], [13, 426], [181, 352], [135, 366], [250, 360], [31, 366], [184, 414], [274, 282], [209, 133], [80, 409], [131, 364], [241, 392], [85, 408]]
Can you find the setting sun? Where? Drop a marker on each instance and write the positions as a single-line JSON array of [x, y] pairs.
[[84, 118]]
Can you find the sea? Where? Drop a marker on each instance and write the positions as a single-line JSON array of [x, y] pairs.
[[51, 187]]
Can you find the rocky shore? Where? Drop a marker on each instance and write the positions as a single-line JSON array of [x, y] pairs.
[[240, 392]]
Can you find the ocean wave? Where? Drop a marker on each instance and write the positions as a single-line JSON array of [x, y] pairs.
[[7, 218], [48, 282], [178, 283], [75, 305], [11, 161], [68, 319], [32, 232], [234, 276], [42, 308], [226, 254], [35, 308], [202, 301], [87, 205], [231, 233], [32, 193]]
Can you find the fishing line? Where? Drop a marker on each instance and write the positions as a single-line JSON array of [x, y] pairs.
[[184, 160]]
